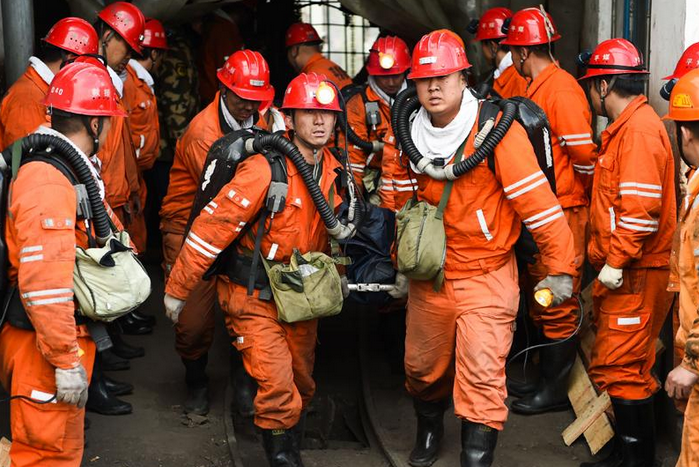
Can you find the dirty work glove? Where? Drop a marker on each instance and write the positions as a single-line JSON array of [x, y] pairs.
[[173, 307], [345, 286], [611, 278], [71, 386], [561, 287], [375, 199], [400, 288]]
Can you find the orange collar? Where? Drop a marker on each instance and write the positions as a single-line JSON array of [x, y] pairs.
[[316, 57], [536, 83], [630, 109]]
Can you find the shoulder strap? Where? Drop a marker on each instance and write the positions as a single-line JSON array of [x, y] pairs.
[[488, 110], [450, 184], [16, 157]]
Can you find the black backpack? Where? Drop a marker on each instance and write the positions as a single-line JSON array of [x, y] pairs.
[[536, 124]]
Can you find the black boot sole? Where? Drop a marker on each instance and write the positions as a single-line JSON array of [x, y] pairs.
[[539, 410]]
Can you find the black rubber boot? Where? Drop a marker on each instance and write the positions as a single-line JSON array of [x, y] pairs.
[[478, 443], [99, 399], [552, 390], [146, 319], [281, 448], [132, 326], [110, 362], [123, 349], [197, 401], [521, 388], [117, 388], [245, 392], [430, 430], [635, 435]]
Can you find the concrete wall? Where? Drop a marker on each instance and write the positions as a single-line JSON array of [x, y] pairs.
[[671, 31]]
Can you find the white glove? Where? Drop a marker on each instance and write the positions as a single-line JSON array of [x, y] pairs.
[[345, 286], [400, 288], [71, 386], [173, 307], [561, 287], [611, 278]]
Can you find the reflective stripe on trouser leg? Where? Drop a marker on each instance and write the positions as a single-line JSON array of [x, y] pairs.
[[628, 322]]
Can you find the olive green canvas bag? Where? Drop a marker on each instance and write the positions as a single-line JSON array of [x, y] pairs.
[[421, 242], [309, 287]]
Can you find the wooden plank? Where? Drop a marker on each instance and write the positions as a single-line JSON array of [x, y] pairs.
[[5, 452], [587, 418], [582, 393]]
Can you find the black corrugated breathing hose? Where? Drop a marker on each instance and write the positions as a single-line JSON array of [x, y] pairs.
[[406, 103], [277, 141], [39, 142], [352, 137]]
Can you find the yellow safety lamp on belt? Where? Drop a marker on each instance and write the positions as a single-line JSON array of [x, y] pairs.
[[325, 93], [386, 61]]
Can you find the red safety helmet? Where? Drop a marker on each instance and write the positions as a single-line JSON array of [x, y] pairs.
[[74, 35], [85, 89], [687, 62], [438, 53], [127, 20], [615, 57], [311, 91], [490, 24], [531, 26], [684, 99], [300, 33], [154, 35], [388, 56], [246, 73]]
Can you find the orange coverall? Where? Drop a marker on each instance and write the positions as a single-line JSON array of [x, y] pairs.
[[356, 119], [119, 170], [324, 66], [279, 356], [220, 38], [466, 329], [684, 278], [574, 155], [141, 104], [195, 328], [632, 221], [41, 236], [510, 84], [21, 111], [398, 182]]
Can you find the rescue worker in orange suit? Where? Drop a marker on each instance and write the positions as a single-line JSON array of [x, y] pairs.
[[244, 85], [120, 29], [507, 82], [632, 221], [50, 357], [474, 312], [280, 356], [22, 111], [303, 52], [140, 102], [681, 383], [389, 59], [531, 36], [688, 61]]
